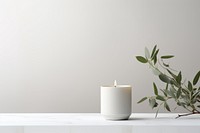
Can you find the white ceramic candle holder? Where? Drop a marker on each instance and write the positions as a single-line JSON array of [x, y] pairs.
[[116, 102]]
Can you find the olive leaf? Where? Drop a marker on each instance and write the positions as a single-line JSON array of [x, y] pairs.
[[189, 86], [164, 78], [167, 85], [155, 58], [152, 103], [164, 92], [171, 73], [155, 89], [142, 100], [161, 98], [181, 104], [179, 77], [167, 106], [195, 95], [185, 91], [166, 65], [196, 78], [153, 51], [170, 93], [147, 54], [141, 59], [178, 94], [167, 56]]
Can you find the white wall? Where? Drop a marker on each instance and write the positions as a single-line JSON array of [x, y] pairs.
[[55, 54]]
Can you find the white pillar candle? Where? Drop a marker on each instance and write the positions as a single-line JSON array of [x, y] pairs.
[[116, 102]]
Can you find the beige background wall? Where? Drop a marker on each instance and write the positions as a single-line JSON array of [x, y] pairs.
[[55, 54]]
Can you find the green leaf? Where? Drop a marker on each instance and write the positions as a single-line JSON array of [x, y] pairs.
[[166, 65], [167, 106], [174, 82], [167, 85], [170, 93], [161, 98], [164, 78], [178, 93], [189, 86], [142, 100], [164, 92], [155, 89], [181, 104], [155, 60], [155, 57], [195, 95], [193, 101], [141, 59], [196, 78], [152, 103], [147, 54], [167, 56], [179, 78], [172, 74], [186, 99], [153, 51], [172, 89], [186, 92]]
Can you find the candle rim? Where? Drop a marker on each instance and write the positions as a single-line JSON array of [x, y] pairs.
[[118, 86]]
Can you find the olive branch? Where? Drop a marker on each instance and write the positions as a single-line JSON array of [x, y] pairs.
[[185, 94]]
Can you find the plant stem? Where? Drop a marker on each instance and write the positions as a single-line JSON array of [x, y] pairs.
[[158, 110], [187, 114]]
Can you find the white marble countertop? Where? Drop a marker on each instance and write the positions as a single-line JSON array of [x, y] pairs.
[[94, 119]]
